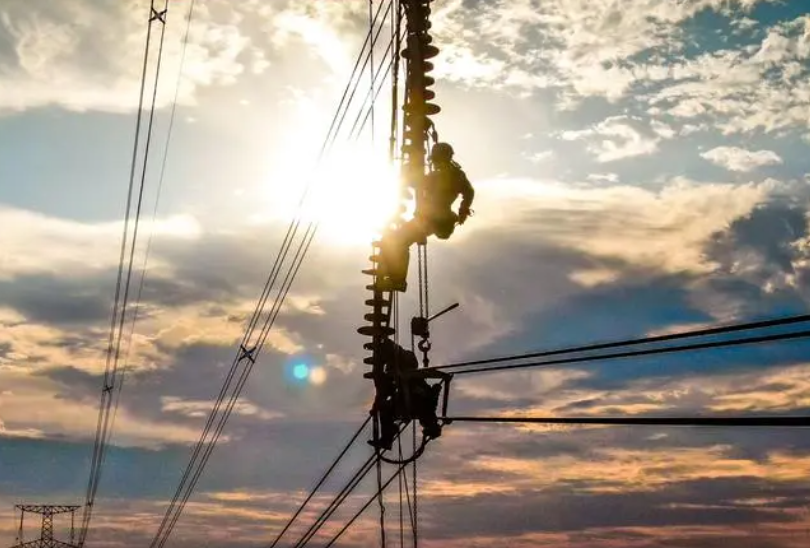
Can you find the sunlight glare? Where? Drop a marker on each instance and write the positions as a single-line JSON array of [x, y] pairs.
[[353, 193]]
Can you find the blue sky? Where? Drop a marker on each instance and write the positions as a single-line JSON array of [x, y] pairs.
[[640, 168]]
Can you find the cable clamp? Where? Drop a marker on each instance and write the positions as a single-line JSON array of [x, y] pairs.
[[158, 15]]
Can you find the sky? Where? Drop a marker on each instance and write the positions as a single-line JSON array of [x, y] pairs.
[[640, 168]]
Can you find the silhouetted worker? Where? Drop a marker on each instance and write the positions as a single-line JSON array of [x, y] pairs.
[[433, 215], [403, 396]]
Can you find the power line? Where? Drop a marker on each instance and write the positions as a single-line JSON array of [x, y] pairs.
[[772, 422], [637, 353], [158, 193], [366, 505], [732, 328], [344, 493], [373, 41], [796, 422], [248, 351], [373, 93], [366, 468], [117, 320], [322, 480]]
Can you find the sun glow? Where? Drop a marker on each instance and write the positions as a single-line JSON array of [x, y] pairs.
[[352, 194]]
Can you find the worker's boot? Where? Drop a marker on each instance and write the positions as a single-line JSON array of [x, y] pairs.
[[393, 272], [431, 427]]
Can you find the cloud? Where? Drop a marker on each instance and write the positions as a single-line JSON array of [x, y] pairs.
[[674, 222], [202, 287], [740, 159], [35, 407], [85, 55], [195, 408], [622, 471], [318, 33], [85, 247], [22, 433], [760, 87], [614, 139], [588, 48], [603, 177], [540, 157], [765, 249]]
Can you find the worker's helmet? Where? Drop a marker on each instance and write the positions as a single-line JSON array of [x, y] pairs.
[[441, 152]]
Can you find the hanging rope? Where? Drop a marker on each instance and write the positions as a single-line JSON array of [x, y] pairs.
[[381, 502], [415, 514], [399, 481]]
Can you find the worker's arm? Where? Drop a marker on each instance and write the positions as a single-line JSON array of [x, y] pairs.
[[467, 196]]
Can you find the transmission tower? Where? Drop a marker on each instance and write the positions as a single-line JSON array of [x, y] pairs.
[[47, 512]]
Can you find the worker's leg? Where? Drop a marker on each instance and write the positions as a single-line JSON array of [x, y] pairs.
[[396, 253], [425, 404], [443, 227], [388, 429]]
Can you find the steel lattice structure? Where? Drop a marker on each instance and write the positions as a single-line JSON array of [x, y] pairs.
[[46, 539]]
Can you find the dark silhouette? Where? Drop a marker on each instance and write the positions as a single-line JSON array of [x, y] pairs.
[[433, 215], [47, 511], [403, 395]]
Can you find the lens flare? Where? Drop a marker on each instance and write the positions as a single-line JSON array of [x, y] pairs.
[[317, 376], [300, 371]]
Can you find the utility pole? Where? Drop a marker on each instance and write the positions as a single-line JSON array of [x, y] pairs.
[[47, 512]]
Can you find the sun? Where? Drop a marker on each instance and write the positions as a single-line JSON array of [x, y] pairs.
[[352, 193]]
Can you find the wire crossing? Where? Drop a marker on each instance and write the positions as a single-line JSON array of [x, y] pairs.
[[258, 328], [125, 264]]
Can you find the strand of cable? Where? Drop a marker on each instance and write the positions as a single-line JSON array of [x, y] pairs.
[[307, 239], [373, 94], [321, 481], [395, 42], [118, 316], [311, 231], [638, 353], [411, 517], [292, 272], [331, 136], [248, 351], [338, 500], [312, 227], [761, 422], [373, 40], [309, 236], [723, 329], [161, 178], [396, 37], [121, 261], [365, 506], [401, 508], [107, 429], [372, 78], [381, 502], [415, 517]]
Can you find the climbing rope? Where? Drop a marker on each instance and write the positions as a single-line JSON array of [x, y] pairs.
[[415, 498], [400, 477], [381, 502]]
